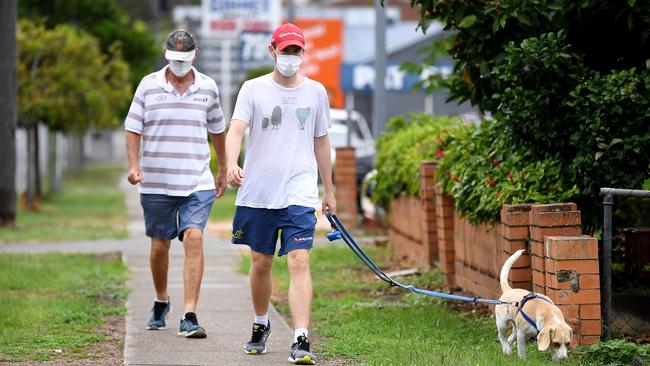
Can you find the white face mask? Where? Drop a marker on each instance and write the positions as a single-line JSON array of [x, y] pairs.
[[180, 68], [287, 65]]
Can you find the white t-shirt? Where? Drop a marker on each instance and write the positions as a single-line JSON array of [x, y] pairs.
[[280, 169]]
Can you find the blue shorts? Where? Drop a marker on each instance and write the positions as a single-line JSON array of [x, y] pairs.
[[166, 217], [258, 228]]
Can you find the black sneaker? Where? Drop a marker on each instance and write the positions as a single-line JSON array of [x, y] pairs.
[[257, 344], [190, 327], [300, 354], [158, 314]]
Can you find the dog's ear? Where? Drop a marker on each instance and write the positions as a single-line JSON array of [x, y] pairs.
[[544, 339]]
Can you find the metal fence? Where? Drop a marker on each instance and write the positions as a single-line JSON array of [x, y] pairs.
[[625, 263]]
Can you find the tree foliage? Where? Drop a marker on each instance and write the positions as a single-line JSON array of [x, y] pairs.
[[612, 35], [65, 81], [105, 20], [568, 81]]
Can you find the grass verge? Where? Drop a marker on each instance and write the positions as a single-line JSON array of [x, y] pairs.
[[361, 321], [90, 207], [52, 304], [223, 208]]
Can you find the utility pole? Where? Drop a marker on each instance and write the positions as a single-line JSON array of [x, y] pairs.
[[379, 97], [291, 11], [8, 108]]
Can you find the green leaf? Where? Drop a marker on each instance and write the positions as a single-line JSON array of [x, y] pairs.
[[599, 154], [631, 3], [467, 22]]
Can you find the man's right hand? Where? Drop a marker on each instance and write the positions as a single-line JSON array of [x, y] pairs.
[[235, 175], [135, 176]]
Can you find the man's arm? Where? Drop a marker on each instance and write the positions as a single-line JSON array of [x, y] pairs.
[[133, 154], [234, 138], [322, 150], [219, 143]]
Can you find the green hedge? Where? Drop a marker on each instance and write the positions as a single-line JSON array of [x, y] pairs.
[[478, 166], [483, 171], [405, 143]]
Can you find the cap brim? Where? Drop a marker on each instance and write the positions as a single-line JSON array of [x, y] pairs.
[[290, 42], [180, 56]]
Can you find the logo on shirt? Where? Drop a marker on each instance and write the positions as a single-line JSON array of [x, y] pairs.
[[160, 98], [300, 240], [201, 99]]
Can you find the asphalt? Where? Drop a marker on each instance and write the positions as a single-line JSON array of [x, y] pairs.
[[224, 309]]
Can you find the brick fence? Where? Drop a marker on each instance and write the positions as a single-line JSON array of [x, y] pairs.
[[559, 261]]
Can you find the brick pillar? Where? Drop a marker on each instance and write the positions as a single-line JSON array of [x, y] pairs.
[[573, 282], [515, 221], [445, 231], [345, 180], [561, 219], [428, 204]]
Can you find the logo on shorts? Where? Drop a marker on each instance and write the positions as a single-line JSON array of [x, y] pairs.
[[238, 234], [299, 240]]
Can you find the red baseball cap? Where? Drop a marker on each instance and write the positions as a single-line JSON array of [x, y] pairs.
[[288, 35]]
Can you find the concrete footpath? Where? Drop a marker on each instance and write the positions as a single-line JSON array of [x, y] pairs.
[[224, 310]]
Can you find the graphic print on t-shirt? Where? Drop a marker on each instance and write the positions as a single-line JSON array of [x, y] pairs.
[[276, 117], [265, 123], [302, 114]]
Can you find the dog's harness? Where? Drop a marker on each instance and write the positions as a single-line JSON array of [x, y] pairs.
[[520, 307]]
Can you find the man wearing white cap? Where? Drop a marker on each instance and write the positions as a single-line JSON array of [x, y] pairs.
[[172, 113]]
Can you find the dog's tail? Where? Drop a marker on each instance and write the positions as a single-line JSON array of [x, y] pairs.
[[503, 278]]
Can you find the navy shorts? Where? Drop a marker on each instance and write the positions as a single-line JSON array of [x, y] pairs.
[[166, 217], [258, 228]]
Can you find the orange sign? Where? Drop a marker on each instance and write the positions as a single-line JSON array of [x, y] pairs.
[[324, 55]]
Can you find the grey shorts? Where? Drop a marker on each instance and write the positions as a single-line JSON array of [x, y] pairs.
[[166, 217]]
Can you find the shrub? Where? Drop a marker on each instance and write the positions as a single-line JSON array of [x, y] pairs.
[[614, 353], [483, 171], [400, 149]]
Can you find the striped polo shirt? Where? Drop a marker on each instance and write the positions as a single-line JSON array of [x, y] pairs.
[[174, 128]]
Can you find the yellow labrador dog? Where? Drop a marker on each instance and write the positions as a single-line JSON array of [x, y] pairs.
[[533, 315]]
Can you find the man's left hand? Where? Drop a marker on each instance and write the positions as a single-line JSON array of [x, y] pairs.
[[329, 204], [222, 184]]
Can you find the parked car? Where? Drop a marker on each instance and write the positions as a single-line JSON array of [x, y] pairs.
[[349, 128]]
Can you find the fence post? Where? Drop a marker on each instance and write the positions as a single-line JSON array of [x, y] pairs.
[[573, 283], [345, 180], [515, 221], [428, 204], [562, 219], [445, 231], [608, 202]]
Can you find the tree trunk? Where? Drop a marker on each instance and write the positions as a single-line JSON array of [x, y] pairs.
[[8, 112]]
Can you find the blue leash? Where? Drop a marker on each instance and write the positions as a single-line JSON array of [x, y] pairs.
[[339, 232]]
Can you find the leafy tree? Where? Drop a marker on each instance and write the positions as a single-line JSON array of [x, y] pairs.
[[66, 82], [107, 21], [566, 80]]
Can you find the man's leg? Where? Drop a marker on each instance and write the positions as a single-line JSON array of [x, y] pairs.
[[300, 288], [193, 267], [159, 263], [260, 280]]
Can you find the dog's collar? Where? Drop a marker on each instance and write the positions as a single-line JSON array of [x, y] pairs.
[[520, 306]]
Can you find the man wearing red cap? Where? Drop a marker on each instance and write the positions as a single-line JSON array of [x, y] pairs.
[[287, 115]]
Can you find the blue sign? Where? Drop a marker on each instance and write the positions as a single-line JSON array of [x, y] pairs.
[[253, 50], [361, 77]]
